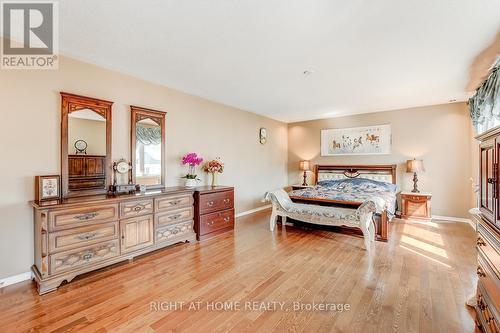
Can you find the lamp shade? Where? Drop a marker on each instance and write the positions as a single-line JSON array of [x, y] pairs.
[[415, 165], [305, 165]]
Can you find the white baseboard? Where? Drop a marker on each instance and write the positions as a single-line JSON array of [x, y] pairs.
[[453, 219], [251, 211], [15, 279]]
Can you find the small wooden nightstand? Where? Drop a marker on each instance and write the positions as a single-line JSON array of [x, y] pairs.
[[299, 187], [416, 205]]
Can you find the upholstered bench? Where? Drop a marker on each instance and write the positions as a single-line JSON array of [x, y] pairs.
[[362, 217]]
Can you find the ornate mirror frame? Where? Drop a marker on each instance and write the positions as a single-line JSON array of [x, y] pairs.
[[137, 114], [71, 103]]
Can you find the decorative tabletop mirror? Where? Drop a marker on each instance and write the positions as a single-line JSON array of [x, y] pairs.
[[148, 147], [85, 145]]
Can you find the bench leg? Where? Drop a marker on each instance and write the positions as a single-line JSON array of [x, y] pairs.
[[366, 235], [272, 221], [373, 231]]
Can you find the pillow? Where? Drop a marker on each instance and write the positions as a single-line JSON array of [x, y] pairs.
[[341, 184]]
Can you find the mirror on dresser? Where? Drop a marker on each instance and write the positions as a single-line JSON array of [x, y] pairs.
[[148, 147], [85, 145]]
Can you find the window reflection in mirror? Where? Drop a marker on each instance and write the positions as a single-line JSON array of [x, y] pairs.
[[86, 150], [148, 152]]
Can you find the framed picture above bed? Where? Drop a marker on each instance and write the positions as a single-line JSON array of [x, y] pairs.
[[369, 140]]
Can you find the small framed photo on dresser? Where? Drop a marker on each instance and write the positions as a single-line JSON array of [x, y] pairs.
[[47, 187]]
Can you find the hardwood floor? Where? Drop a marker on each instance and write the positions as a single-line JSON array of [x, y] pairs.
[[417, 282]]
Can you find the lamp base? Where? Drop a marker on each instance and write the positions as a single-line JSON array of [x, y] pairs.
[[304, 183], [415, 180]]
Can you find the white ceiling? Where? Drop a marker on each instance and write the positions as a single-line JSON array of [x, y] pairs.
[[366, 55]]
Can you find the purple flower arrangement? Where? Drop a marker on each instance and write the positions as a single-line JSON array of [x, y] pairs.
[[192, 160]]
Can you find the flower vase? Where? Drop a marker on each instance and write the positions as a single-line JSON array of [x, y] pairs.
[[214, 179], [191, 183]]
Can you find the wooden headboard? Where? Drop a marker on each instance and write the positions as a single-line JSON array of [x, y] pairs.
[[386, 173]]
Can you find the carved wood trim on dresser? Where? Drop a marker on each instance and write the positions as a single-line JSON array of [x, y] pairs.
[[488, 234], [213, 210], [82, 234]]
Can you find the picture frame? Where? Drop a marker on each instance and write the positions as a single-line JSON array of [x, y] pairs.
[[366, 140], [263, 135], [47, 187]]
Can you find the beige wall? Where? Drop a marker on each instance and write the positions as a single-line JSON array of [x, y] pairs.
[[440, 135], [30, 104], [91, 131]]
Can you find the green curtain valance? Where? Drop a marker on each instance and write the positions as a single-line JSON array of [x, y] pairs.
[[484, 106], [148, 135]]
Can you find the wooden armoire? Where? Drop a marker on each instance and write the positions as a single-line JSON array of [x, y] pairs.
[[488, 232]]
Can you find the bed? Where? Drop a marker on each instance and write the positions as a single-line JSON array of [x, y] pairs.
[[350, 186]]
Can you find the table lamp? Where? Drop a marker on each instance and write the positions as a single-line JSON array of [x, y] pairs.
[[415, 166], [305, 166]]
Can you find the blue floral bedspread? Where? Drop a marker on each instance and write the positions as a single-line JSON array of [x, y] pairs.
[[354, 190]]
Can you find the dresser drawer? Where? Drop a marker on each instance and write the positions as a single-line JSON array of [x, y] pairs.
[[212, 202], [486, 315], [169, 203], [173, 231], [216, 221], [490, 283], [488, 245], [85, 256], [71, 238], [77, 217], [172, 217], [136, 208]]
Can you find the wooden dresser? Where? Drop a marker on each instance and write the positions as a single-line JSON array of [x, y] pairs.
[[78, 235], [213, 210], [86, 172], [488, 233]]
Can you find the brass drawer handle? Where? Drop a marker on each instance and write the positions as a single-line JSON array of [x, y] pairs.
[[227, 219], [480, 272], [86, 217], [210, 204], [174, 202], [175, 217], [210, 223], [138, 208], [88, 256], [87, 236], [227, 201], [480, 242]]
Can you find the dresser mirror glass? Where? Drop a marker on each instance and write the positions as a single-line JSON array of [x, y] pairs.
[[148, 147], [85, 145]]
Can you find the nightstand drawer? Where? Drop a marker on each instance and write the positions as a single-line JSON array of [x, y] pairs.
[[416, 198], [416, 206]]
